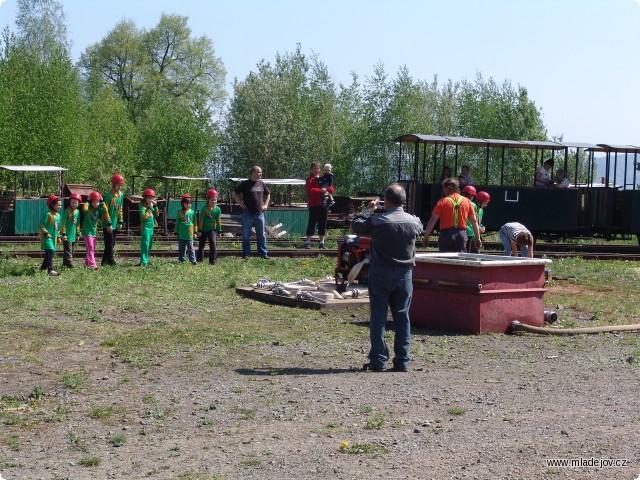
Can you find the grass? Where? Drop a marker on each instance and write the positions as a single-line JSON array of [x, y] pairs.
[[136, 314]]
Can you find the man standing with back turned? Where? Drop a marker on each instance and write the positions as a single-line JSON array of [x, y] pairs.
[[392, 258], [254, 201]]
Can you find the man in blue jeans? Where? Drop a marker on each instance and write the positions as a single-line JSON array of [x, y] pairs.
[[254, 201], [392, 257]]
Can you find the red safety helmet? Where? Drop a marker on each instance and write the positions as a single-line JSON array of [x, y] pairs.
[[212, 193], [95, 196], [184, 197], [148, 193], [75, 196], [470, 190], [117, 179], [483, 197], [52, 199]]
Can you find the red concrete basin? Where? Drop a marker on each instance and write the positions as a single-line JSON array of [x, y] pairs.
[[475, 293]]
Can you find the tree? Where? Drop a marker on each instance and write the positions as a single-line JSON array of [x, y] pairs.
[[184, 67], [172, 86], [120, 62], [42, 26], [40, 102]]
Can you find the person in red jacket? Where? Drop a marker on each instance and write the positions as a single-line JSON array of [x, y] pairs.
[[318, 212]]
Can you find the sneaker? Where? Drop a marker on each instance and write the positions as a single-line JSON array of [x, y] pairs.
[[399, 368], [53, 273], [244, 257], [266, 257], [307, 245], [322, 245]]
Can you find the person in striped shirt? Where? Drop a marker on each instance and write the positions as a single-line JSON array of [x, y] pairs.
[[515, 236]]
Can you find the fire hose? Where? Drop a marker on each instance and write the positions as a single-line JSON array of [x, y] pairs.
[[517, 326]]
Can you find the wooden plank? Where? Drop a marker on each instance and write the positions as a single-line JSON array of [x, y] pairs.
[[267, 296]]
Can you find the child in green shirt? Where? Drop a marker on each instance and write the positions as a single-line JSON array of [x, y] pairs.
[[69, 228], [113, 201], [148, 213], [209, 225], [93, 212], [49, 230], [186, 228]]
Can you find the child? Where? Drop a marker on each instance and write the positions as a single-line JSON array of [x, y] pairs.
[[326, 181], [49, 227], [148, 213], [113, 201], [483, 199], [470, 192], [93, 212], [186, 228], [209, 225], [69, 228]]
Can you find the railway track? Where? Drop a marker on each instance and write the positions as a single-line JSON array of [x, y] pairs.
[[125, 251]]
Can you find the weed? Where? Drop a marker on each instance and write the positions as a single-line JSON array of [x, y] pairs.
[[60, 410], [364, 409], [11, 419], [75, 380], [157, 414], [247, 414], [149, 400], [100, 412], [13, 442], [90, 461], [359, 448], [457, 411], [375, 423], [117, 440], [37, 394], [77, 441]]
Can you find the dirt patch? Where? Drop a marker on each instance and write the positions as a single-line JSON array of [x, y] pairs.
[[470, 407]]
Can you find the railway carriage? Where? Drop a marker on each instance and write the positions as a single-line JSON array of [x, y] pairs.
[[589, 207]]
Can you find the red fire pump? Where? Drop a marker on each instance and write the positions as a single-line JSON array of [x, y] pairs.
[[352, 251]]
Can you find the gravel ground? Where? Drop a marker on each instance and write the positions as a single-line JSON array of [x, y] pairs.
[[470, 407]]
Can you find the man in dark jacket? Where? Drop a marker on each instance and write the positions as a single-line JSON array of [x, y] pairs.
[[392, 258]]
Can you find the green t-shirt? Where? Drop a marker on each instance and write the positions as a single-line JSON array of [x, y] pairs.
[[185, 224], [147, 217], [70, 223], [91, 217], [50, 225], [114, 206], [210, 219], [470, 233]]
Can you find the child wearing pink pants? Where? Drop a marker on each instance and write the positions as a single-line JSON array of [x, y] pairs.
[[94, 212]]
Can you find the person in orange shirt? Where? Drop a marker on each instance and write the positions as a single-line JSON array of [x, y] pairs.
[[452, 210]]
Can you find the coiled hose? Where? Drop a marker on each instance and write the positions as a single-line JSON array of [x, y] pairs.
[[517, 326]]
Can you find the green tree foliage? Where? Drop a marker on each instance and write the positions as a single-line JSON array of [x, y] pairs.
[[285, 115], [172, 86], [40, 103]]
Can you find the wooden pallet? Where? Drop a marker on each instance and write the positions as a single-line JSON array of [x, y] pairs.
[[333, 304]]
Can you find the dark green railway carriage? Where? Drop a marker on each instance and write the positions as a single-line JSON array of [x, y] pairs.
[[589, 206]]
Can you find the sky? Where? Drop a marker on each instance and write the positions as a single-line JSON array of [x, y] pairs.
[[578, 59]]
